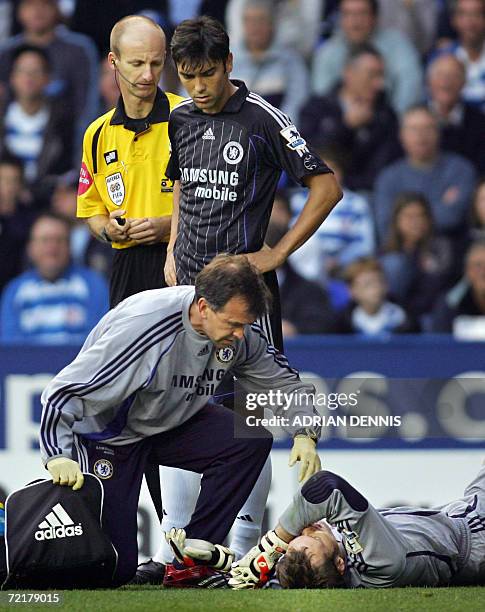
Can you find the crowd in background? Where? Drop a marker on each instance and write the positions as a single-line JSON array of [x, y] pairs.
[[390, 92]]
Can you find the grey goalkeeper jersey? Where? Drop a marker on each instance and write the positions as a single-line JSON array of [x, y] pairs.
[[397, 546], [144, 370]]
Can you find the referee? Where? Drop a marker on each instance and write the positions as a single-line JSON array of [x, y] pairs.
[[125, 154]]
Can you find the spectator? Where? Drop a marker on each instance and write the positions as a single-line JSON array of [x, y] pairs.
[[108, 88], [96, 19], [462, 126], [305, 307], [298, 23], [447, 180], [358, 25], [370, 313], [15, 218], [34, 128], [462, 309], [54, 302], [417, 263], [85, 249], [175, 11], [346, 235], [356, 117], [478, 212], [6, 18], [468, 19], [72, 56], [445, 34], [268, 68], [415, 19]]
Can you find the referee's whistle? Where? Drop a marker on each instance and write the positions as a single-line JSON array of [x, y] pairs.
[[120, 220]]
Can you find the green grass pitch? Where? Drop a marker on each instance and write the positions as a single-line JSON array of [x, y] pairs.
[[464, 599]]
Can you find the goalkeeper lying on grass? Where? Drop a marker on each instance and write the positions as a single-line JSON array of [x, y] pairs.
[[357, 545]]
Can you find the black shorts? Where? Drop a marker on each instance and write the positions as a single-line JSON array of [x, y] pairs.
[[272, 322], [136, 269]]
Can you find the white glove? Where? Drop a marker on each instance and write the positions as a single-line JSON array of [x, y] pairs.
[[253, 570], [305, 450], [65, 471], [186, 550]]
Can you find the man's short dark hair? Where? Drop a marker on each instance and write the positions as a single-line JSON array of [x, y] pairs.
[[42, 53], [363, 49], [51, 215], [373, 5], [199, 41], [229, 276], [455, 3], [295, 571]]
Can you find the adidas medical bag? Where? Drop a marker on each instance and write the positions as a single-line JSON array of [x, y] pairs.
[[54, 538]]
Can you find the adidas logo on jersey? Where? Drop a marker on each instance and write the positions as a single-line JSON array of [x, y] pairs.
[[57, 524], [203, 351], [208, 135]]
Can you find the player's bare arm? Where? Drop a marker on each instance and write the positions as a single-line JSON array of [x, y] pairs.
[[324, 194], [170, 276], [107, 229]]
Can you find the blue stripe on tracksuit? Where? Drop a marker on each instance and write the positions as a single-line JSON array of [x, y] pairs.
[[52, 413]]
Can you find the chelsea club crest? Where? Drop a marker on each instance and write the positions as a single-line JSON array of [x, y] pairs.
[[225, 355], [103, 469]]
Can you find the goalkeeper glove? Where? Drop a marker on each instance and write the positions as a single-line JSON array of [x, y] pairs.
[[254, 569], [198, 552], [65, 471], [305, 450]]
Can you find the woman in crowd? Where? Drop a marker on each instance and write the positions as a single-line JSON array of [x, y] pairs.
[[417, 262]]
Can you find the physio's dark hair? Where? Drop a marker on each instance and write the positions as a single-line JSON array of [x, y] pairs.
[[295, 571], [199, 41], [228, 276]]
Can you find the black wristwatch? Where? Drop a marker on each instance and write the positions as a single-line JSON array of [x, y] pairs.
[[308, 432]]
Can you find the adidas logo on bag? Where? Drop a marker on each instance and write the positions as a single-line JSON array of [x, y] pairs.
[[58, 524], [208, 135]]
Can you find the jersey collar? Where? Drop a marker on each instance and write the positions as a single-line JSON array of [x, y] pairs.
[[235, 102], [159, 113]]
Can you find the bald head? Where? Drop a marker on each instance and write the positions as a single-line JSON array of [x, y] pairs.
[[135, 29], [137, 56], [447, 64]]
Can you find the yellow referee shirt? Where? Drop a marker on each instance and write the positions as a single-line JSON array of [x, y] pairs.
[[124, 163]]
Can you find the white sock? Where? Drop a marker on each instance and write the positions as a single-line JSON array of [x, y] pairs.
[[246, 529], [180, 490]]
